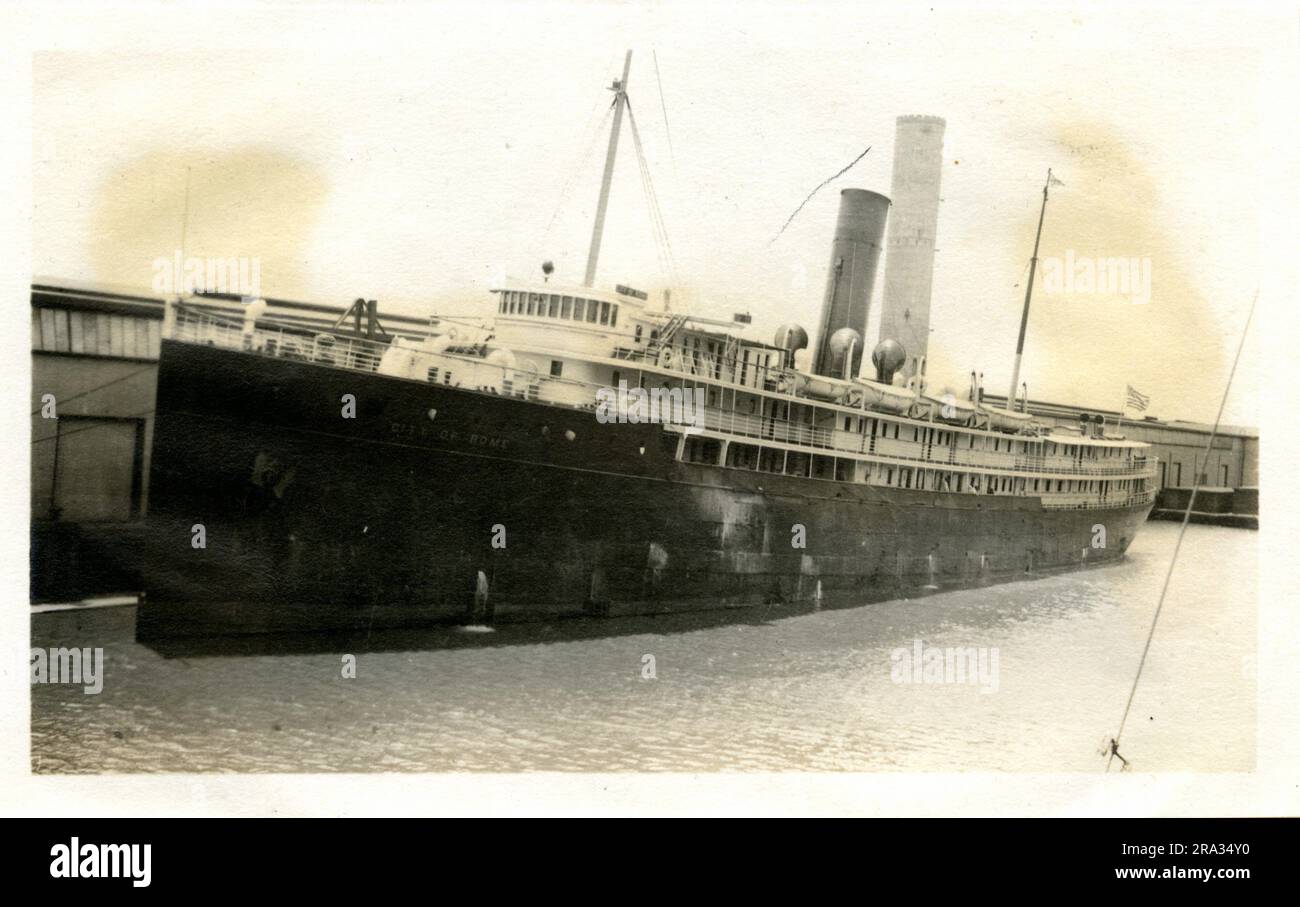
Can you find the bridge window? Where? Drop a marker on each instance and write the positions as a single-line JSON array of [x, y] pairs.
[[613, 317], [593, 311], [554, 310], [579, 306], [566, 312], [557, 367], [604, 313]]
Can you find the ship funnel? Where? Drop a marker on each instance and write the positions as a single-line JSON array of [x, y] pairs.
[[855, 252]]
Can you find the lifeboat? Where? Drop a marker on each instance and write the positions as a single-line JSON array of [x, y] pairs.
[[832, 390], [946, 409], [886, 397], [1006, 420]]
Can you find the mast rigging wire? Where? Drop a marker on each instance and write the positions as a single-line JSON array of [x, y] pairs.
[[658, 227], [592, 136], [664, 107]]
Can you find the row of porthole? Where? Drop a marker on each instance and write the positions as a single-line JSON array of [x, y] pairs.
[[569, 433]]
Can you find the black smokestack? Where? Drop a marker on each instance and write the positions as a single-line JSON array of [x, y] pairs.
[[855, 252]]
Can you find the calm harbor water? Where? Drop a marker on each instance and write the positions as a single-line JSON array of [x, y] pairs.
[[819, 691]]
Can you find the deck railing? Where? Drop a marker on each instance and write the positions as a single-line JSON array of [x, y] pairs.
[[206, 328], [909, 453]]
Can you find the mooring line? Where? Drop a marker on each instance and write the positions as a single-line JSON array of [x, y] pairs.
[[1113, 743]]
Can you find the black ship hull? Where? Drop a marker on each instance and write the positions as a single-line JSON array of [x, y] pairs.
[[272, 511]]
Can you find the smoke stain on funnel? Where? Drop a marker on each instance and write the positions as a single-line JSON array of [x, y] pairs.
[[252, 202], [1109, 209]]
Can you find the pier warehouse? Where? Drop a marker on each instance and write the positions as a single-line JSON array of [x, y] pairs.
[[94, 352]]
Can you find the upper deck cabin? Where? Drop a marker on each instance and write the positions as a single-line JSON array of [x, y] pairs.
[[563, 346], [620, 324], [897, 436]]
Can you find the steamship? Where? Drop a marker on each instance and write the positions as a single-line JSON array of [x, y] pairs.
[[347, 479]]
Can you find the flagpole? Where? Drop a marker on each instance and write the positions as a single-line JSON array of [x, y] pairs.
[[1029, 289]]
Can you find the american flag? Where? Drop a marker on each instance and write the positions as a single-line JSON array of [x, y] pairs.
[[1137, 400]]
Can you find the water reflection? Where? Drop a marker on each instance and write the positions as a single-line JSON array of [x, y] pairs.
[[766, 689]]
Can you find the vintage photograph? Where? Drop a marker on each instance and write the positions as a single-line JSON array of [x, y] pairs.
[[579, 388]]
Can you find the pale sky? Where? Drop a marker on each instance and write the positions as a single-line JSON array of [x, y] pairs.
[[417, 156]]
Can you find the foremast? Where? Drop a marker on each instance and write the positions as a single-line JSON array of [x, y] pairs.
[[598, 228]]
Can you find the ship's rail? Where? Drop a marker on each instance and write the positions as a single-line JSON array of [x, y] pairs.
[[194, 325], [707, 366], [336, 350], [904, 452], [204, 328], [1092, 502]]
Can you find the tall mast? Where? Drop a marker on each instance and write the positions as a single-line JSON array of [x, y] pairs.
[[620, 101], [1029, 289]]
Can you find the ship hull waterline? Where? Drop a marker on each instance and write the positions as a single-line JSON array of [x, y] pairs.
[[275, 510]]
